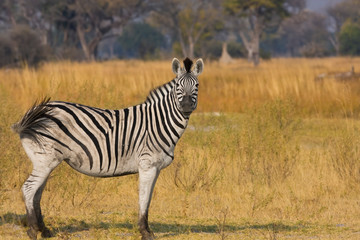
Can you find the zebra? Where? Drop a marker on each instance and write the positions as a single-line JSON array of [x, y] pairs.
[[108, 143]]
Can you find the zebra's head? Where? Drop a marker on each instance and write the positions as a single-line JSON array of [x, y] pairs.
[[186, 84]]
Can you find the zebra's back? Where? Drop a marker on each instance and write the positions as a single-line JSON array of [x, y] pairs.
[[94, 141]]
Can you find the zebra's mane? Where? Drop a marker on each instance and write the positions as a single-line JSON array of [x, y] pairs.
[[165, 88], [187, 64]]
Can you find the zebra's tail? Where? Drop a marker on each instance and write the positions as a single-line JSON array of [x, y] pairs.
[[33, 121]]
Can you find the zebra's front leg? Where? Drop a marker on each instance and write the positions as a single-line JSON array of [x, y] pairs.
[[147, 179]]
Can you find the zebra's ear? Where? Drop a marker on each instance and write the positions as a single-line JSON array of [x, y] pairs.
[[176, 67], [199, 67]]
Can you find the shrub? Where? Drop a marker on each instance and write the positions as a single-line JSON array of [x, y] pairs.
[[236, 50], [315, 49], [209, 49], [349, 39], [345, 154], [28, 46], [141, 40], [266, 153], [265, 55], [7, 52]]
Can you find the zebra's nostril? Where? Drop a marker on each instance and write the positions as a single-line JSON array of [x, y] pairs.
[[187, 99]]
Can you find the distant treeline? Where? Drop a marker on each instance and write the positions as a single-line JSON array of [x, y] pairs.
[[39, 30]]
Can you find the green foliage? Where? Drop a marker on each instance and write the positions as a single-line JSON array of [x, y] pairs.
[[264, 54], [236, 49], [350, 38], [209, 49], [265, 8], [141, 40], [190, 23]]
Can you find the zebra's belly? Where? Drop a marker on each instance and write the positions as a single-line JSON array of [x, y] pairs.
[[122, 167]]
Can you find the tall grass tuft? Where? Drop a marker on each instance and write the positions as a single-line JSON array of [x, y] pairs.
[[345, 154], [268, 154]]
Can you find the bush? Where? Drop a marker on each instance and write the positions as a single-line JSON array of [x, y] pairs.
[[349, 39], [209, 49], [266, 153], [265, 55], [236, 50], [7, 52], [28, 47], [315, 49], [345, 154], [69, 53], [141, 40]]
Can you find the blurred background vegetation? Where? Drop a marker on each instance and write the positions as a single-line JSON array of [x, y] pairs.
[[43, 30]]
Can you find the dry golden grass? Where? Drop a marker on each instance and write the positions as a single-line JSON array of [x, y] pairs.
[[280, 160]]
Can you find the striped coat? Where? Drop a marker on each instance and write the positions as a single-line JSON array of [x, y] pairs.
[[106, 143]]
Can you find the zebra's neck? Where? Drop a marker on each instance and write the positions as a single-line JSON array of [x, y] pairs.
[[161, 91], [164, 115]]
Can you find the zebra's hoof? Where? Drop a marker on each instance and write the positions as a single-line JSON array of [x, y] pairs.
[[46, 233], [147, 236], [32, 233]]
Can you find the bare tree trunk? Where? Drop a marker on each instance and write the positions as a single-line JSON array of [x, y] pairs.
[[44, 37], [81, 34], [250, 54], [256, 59], [252, 46], [93, 47], [256, 49], [13, 21], [191, 48], [182, 43], [11, 16], [335, 42]]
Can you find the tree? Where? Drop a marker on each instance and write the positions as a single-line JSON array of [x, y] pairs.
[[339, 14], [253, 17], [305, 34], [349, 38], [7, 51], [29, 48], [31, 14], [141, 40], [188, 21], [93, 20], [23, 12], [21, 45], [8, 9]]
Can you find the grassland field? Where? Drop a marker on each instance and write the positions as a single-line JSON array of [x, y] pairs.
[[270, 153]]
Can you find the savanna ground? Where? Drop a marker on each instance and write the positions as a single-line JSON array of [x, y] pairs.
[[269, 153]]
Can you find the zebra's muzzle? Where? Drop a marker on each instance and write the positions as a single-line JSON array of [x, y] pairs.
[[187, 105]]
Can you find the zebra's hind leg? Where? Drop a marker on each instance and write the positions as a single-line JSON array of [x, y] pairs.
[[32, 191], [44, 161]]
